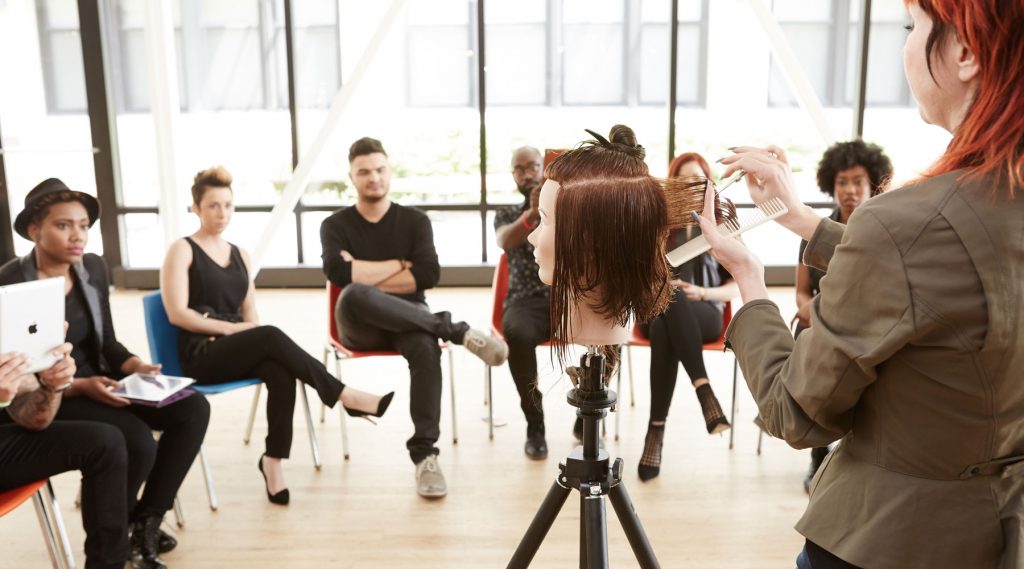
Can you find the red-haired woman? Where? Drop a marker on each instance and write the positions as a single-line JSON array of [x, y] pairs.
[[915, 353], [700, 290]]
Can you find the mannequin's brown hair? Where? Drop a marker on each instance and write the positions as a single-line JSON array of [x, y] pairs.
[[610, 233]]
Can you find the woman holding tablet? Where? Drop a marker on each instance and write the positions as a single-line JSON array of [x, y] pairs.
[[57, 220], [208, 292]]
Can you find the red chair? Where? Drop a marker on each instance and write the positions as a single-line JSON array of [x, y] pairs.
[[341, 352], [50, 520], [499, 290], [716, 346]]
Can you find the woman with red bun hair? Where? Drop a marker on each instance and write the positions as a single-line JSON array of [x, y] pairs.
[[915, 356]]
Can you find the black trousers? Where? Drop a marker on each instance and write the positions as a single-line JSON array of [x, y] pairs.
[[267, 353], [369, 319], [162, 465], [526, 323], [677, 336], [98, 451]]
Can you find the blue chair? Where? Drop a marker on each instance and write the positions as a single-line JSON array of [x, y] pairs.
[[163, 348]]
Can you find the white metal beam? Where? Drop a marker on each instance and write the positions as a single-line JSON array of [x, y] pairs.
[[162, 74], [300, 176], [793, 70]]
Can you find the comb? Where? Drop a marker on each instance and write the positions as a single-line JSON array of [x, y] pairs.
[[745, 220]]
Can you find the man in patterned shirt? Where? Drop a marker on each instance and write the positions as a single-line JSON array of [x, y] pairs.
[[526, 317]]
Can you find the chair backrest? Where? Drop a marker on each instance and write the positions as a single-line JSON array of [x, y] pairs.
[[11, 499], [163, 336], [499, 288], [333, 292]]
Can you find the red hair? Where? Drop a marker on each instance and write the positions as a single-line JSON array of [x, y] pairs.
[[679, 161], [991, 137]]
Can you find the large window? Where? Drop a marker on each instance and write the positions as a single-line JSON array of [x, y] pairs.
[[40, 141], [551, 69], [825, 39]]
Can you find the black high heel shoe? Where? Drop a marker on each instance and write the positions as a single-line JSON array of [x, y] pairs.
[[281, 498], [382, 406]]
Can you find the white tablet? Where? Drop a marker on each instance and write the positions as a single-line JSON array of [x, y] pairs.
[[153, 388], [32, 320]]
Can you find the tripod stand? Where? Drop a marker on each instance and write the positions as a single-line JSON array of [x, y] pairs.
[[587, 469]]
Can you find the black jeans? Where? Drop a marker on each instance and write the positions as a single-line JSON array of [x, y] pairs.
[[161, 465], [526, 322], [677, 336], [267, 353], [370, 319], [96, 449]]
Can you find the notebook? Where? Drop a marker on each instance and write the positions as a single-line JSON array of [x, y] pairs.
[[32, 320], [745, 220], [154, 390]]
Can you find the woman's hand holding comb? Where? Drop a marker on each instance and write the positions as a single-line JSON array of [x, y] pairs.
[[768, 176]]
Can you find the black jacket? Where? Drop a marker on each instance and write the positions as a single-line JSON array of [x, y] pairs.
[[106, 353]]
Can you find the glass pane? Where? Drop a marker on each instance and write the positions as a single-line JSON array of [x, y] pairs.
[[516, 66], [315, 13], [233, 77], [246, 229], [61, 13], [38, 142], [230, 13], [887, 84], [439, 12], [67, 87], [143, 239], [456, 236], [311, 249], [588, 47], [317, 69], [654, 76], [439, 66], [802, 10], [810, 44], [880, 12], [521, 12], [593, 11]]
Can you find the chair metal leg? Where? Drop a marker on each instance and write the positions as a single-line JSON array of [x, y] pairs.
[[252, 413], [58, 524], [211, 493], [323, 408], [489, 395], [629, 362], [760, 436], [179, 513], [618, 406], [451, 382], [313, 444], [47, 528], [732, 418], [341, 412]]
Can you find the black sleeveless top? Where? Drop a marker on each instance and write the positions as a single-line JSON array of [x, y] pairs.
[[214, 291]]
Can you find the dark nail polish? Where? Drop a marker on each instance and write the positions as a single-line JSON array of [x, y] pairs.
[[719, 161], [695, 217], [733, 148]]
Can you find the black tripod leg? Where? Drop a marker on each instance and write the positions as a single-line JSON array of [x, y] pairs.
[[539, 527], [631, 526], [597, 537]]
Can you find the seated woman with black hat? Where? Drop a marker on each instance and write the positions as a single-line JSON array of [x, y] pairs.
[[57, 220]]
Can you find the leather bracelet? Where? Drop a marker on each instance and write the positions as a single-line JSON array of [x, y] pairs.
[[49, 389], [526, 221]]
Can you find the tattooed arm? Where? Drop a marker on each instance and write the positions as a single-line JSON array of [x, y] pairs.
[[37, 400]]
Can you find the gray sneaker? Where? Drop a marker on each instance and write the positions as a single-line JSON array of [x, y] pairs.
[[491, 350], [429, 479]]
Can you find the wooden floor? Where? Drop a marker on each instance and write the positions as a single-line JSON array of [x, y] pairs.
[[711, 507]]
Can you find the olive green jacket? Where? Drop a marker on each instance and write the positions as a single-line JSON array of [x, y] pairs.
[[915, 359]]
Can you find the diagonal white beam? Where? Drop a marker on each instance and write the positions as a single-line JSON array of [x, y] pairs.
[[300, 176], [794, 71], [162, 74]]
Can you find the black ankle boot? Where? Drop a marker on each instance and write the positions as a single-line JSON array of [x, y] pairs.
[[145, 540], [650, 461]]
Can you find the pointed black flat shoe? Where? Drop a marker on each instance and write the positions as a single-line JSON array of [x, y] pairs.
[[281, 498]]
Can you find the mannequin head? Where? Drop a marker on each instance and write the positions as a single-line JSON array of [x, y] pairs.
[[601, 241]]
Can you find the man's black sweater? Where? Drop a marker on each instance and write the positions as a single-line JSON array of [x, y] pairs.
[[403, 233]]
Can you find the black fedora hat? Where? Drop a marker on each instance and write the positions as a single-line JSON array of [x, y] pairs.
[[45, 188]]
